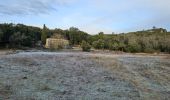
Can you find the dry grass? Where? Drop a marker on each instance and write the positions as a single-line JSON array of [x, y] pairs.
[[142, 78], [5, 91], [167, 57], [86, 75]]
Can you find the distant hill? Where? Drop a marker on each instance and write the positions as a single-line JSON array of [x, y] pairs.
[[150, 40]]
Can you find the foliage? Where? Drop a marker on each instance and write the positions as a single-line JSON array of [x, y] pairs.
[[85, 46], [76, 36], [98, 44], [1, 34], [152, 40], [133, 47], [20, 39], [17, 35], [44, 34]]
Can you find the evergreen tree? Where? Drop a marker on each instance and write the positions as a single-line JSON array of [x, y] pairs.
[[44, 34]]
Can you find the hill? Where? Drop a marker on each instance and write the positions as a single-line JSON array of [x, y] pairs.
[[151, 40]]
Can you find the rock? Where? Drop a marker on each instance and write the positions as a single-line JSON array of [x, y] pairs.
[[25, 77]]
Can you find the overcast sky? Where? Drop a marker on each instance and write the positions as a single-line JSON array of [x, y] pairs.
[[91, 16]]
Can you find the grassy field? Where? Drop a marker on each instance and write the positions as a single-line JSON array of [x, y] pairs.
[[84, 76]]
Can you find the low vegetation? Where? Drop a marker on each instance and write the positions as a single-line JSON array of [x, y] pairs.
[[85, 46]]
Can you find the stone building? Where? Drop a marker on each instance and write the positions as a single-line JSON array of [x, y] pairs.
[[53, 43]]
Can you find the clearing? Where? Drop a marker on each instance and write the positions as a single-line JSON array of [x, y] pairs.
[[84, 76]]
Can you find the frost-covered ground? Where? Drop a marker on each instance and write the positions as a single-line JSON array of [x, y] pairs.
[[83, 76]]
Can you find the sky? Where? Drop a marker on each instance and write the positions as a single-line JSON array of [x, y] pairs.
[[91, 16]]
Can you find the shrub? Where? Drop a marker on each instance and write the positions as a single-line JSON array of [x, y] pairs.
[[98, 44], [133, 48], [85, 46], [149, 50]]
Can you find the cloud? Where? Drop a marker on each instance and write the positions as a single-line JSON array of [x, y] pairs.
[[30, 7], [90, 15]]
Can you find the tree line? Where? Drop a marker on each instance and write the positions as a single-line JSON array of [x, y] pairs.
[[18, 35], [153, 40], [143, 41]]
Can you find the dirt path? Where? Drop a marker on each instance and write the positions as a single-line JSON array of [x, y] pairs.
[[83, 76]]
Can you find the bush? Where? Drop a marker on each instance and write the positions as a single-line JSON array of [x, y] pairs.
[[85, 46], [133, 48], [149, 50], [98, 44]]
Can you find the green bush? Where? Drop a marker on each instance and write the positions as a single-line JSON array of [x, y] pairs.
[[85, 46], [98, 44], [133, 48]]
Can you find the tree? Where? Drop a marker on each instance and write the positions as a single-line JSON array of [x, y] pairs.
[[153, 40], [154, 27], [85, 46], [101, 35], [1, 35], [44, 34], [16, 39], [19, 39], [76, 36]]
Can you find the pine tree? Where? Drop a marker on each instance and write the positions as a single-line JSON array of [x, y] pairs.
[[44, 34]]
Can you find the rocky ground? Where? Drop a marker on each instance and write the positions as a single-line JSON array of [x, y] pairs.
[[83, 76]]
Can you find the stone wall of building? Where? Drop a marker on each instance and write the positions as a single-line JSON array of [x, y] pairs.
[[53, 43]]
